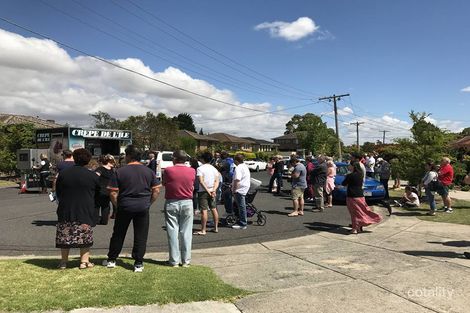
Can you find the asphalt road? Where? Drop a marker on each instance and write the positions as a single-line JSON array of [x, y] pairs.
[[27, 224]]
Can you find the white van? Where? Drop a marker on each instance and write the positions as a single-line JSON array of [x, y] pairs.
[[164, 160]]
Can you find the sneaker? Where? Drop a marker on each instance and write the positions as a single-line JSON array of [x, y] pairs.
[[109, 263], [239, 227], [185, 265], [448, 210], [431, 213], [138, 268]]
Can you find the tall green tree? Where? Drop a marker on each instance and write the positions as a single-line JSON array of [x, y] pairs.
[[313, 134], [12, 138], [185, 122], [105, 121]]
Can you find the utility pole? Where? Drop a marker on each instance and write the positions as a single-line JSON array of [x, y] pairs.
[[384, 131], [335, 97], [357, 133]]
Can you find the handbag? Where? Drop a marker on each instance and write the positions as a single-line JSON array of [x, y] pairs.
[[435, 185]]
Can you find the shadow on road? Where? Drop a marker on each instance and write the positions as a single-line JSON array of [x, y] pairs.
[[458, 243], [327, 227], [44, 223], [441, 254]]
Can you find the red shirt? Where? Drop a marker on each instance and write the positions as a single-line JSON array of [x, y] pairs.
[[179, 182], [446, 175]]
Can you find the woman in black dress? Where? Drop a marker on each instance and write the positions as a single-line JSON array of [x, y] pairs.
[[77, 188], [105, 171]]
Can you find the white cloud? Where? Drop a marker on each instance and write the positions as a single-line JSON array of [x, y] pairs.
[[40, 78], [296, 30], [466, 89]]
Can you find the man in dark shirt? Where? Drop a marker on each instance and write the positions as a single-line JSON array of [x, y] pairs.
[[132, 190], [277, 175], [226, 169], [318, 179], [152, 162]]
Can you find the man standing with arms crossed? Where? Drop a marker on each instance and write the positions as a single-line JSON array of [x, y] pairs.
[[179, 184], [132, 191], [240, 187]]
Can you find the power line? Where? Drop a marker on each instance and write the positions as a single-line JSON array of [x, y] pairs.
[[112, 35], [148, 12], [127, 69]]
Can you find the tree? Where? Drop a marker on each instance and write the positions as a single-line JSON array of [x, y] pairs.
[[12, 138], [185, 122], [154, 132], [188, 144], [428, 142], [105, 121], [313, 134]]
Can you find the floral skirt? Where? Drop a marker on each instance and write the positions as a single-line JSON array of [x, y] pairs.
[[73, 235]]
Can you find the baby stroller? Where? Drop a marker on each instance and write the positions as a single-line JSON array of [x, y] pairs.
[[251, 210]]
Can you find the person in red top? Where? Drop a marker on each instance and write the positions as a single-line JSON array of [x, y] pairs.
[[179, 185], [445, 177]]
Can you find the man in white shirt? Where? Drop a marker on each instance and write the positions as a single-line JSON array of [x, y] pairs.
[[370, 164], [240, 187], [208, 178]]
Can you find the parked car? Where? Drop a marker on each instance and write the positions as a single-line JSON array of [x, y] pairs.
[[373, 189], [256, 165]]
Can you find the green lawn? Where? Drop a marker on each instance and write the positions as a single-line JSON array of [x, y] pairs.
[[36, 285], [6, 183], [461, 214]]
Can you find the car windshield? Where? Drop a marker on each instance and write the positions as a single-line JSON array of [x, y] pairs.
[[167, 156]]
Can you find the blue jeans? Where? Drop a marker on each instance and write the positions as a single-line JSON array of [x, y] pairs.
[[430, 196], [179, 226], [240, 199]]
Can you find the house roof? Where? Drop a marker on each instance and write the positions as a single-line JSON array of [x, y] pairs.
[[9, 119], [288, 136], [261, 141], [196, 136], [462, 142], [223, 137]]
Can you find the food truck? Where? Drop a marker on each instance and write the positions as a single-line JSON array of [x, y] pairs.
[[52, 141], [97, 141]]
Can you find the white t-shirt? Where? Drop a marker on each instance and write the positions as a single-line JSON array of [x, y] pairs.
[[370, 164], [415, 198], [242, 173], [209, 173]]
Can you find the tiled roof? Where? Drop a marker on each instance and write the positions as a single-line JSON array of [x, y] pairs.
[[196, 135], [261, 141], [288, 136], [223, 137], [462, 142], [36, 121]]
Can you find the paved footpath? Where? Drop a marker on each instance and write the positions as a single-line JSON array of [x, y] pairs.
[[402, 265]]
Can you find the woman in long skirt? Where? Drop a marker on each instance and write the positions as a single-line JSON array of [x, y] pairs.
[[361, 215]]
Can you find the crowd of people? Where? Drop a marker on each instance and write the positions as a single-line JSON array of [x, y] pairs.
[[84, 195]]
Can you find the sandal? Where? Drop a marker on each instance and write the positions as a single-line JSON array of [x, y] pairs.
[[301, 213], [62, 265], [86, 265], [199, 233], [293, 214], [214, 231], [353, 232]]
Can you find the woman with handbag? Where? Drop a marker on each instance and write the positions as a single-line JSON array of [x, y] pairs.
[[430, 184]]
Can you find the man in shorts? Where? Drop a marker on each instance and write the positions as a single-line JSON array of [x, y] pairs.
[[299, 183], [445, 177], [208, 178]]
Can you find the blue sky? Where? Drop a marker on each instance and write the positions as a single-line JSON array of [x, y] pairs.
[[391, 56]]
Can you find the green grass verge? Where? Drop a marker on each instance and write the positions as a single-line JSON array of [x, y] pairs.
[[461, 214], [6, 183], [36, 285]]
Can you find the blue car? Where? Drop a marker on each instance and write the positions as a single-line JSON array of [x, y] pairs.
[[373, 189]]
